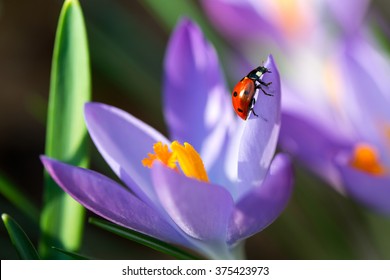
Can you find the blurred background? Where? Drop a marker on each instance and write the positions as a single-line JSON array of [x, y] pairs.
[[127, 43]]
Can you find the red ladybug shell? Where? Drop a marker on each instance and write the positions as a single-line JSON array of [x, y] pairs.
[[242, 96]]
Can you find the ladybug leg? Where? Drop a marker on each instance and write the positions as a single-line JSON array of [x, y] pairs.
[[259, 87], [254, 113], [253, 101], [264, 84]]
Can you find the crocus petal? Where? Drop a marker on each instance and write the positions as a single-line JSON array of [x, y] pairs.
[[260, 134], [342, 12], [108, 199], [369, 96], [195, 96], [246, 15], [371, 190], [262, 205], [313, 144], [124, 141], [200, 209]]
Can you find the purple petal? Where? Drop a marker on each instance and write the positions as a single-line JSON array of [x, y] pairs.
[[369, 99], [248, 22], [108, 199], [348, 13], [370, 190], [196, 103], [313, 144], [124, 141], [260, 134], [262, 205], [200, 209]]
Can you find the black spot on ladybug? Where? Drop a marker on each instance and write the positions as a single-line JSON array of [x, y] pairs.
[[240, 110], [246, 92], [235, 94]]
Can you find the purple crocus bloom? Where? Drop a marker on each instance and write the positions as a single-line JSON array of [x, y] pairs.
[[247, 188], [288, 23], [335, 108], [348, 142]]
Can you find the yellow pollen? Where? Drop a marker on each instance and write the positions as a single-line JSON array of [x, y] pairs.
[[162, 154], [365, 158], [190, 161], [186, 156]]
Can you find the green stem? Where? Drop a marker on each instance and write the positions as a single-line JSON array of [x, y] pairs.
[[62, 219]]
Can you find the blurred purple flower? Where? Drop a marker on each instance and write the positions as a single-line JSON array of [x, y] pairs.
[[247, 190], [290, 22], [335, 107], [346, 138]]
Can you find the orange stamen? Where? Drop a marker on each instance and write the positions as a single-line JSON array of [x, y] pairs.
[[162, 154], [365, 158], [189, 160]]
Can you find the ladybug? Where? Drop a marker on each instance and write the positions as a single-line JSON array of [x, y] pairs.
[[244, 92]]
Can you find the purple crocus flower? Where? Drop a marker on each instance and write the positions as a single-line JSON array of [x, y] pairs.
[[335, 107], [289, 23], [210, 206], [347, 140]]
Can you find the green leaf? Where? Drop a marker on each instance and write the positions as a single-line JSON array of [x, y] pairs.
[[66, 139], [143, 239], [72, 255], [19, 239], [16, 197]]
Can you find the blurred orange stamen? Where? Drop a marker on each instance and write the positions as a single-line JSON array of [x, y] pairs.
[[365, 158]]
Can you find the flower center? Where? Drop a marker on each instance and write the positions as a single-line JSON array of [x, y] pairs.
[[365, 158], [293, 17], [186, 156]]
